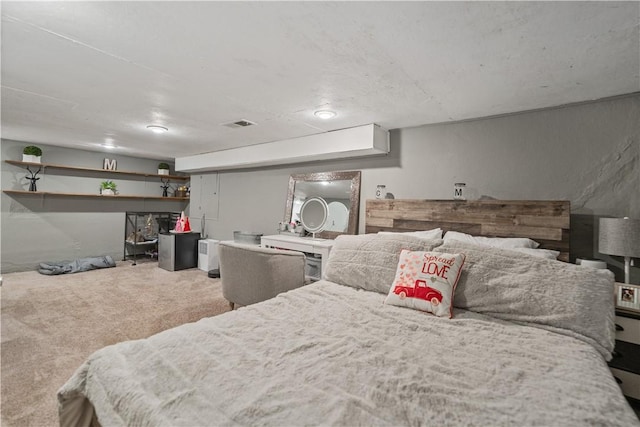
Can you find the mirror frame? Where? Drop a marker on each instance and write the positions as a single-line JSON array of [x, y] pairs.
[[354, 211]]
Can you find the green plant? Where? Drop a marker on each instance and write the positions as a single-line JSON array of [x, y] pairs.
[[32, 150], [163, 166], [108, 185]]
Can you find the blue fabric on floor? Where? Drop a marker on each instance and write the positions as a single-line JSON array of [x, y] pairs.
[[76, 266]]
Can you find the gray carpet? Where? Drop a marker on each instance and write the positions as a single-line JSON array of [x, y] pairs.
[[50, 324]]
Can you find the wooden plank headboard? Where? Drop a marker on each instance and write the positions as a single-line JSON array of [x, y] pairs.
[[545, 221]]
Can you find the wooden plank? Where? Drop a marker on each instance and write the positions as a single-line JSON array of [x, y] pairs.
[[500, 207], [544, 221], [428, 225], [380, 222], [444, 217], [83, 169], [119, 196], [408, 204], [520, 231]]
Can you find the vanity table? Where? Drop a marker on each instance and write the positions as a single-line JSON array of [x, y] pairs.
[[326, 204], [314, 248]]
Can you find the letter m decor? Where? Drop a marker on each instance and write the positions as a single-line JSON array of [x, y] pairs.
[[109, 164]]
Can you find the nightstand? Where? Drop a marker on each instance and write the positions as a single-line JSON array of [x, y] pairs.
[[625, 364]]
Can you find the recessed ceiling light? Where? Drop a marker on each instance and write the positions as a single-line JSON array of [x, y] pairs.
[[325, 114], [157, 129]]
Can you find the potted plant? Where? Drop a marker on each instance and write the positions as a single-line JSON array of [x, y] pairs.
[[163, 169], [108, 188], [31, 154]]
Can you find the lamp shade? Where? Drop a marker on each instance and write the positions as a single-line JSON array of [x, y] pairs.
[[620, 236]]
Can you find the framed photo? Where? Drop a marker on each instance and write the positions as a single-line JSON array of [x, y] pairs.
[[628, 296]]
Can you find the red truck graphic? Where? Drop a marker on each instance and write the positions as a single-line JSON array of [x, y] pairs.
[[419, 290]]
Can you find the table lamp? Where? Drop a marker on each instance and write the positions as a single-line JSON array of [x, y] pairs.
[[621, 237]]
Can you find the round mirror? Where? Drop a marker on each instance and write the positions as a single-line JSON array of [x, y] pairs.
[[313, 214]]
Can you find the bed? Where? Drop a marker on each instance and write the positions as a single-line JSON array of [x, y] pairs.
[[527, 344]]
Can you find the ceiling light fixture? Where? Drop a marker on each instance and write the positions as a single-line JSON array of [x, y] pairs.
[[157, 129], [325, 114]]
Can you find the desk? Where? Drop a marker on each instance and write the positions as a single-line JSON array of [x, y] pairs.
[[309, 245]]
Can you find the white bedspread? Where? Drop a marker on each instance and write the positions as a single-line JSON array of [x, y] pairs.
[[328, 354]]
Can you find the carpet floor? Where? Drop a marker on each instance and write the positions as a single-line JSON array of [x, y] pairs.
[[51, 324]]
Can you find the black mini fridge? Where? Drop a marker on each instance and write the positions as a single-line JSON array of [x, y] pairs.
[[178, 251]]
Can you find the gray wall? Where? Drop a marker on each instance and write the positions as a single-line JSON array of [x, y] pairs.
[[588, 154], [52, 228]]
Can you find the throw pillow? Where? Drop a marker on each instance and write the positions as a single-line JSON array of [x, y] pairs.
[[426, 281]]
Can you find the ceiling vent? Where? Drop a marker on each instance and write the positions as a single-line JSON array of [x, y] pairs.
[[239, 124]]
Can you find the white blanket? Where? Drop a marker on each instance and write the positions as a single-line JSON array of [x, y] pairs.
[[328, 354]]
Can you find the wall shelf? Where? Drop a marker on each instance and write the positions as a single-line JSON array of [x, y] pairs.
[[59, 194], [76, 168]]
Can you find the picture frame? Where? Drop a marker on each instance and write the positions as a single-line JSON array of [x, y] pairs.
[[628, 297]]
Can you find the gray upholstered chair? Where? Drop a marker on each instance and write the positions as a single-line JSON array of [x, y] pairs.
[[251, 274]]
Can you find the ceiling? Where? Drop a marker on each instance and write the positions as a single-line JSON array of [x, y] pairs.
[[82, 74]]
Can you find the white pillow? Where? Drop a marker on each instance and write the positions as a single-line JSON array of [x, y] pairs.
[[540, 253], [436, 233], [561, 297], [496, 242]]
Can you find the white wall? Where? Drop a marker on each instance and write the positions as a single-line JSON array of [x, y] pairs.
[[36, 229], [588, 154]]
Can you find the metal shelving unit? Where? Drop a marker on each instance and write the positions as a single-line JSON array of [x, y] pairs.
[[141, 230]]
